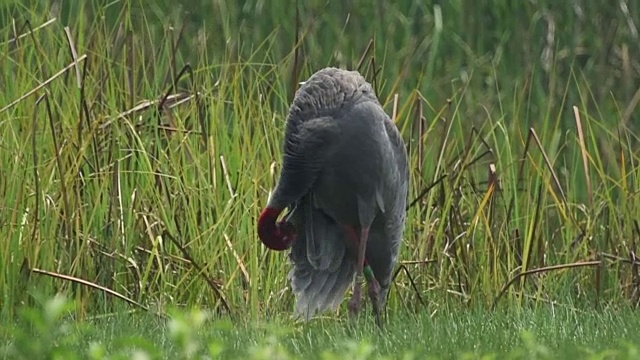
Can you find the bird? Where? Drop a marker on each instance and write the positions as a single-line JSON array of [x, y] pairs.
[[345, 182]]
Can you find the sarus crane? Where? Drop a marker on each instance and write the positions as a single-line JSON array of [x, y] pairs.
[[345, 181]]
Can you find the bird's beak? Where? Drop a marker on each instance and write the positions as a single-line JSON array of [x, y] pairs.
[[289, 214]]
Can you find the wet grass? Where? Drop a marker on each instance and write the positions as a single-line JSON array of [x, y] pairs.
[[544, 333]]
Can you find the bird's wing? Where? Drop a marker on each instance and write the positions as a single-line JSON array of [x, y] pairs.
[[385, 244], [400, 156]]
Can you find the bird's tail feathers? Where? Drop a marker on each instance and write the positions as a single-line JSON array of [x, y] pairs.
[[322, 269]]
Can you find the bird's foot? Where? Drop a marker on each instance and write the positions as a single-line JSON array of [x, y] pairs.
[[355, 304]]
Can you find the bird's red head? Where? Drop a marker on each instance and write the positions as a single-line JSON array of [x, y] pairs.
[[275, 235]]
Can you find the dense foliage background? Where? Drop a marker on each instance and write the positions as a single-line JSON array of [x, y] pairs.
[[144, 178]]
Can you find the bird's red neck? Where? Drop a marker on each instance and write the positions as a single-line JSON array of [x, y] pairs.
[[275, 236]]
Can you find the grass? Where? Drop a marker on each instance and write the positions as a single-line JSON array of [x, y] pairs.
[[138, 143], [548, 333]]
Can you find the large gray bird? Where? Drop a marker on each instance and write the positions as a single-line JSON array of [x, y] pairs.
[[345, 179]]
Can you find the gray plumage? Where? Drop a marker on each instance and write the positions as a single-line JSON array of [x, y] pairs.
[[345, 165]]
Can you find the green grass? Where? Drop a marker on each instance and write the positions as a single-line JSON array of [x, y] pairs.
[[547, 333], [139, 142]]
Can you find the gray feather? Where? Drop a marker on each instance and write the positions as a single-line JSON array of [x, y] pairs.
[[322, 270]]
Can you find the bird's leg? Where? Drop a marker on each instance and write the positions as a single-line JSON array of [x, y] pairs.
[[373, 287], [357, 286], [355, 304]]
